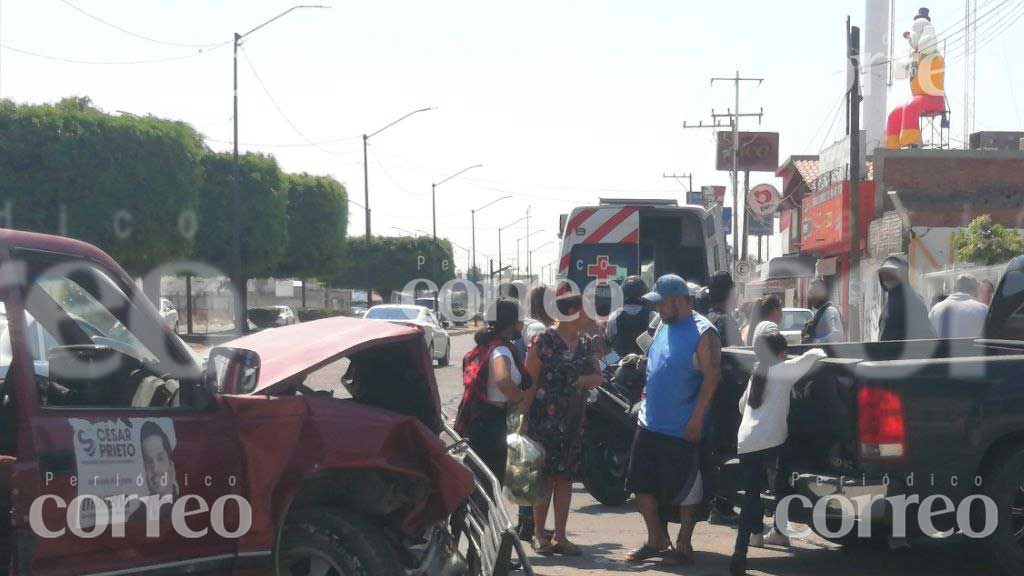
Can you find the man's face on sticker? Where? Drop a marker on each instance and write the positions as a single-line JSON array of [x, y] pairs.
[[160, 476]]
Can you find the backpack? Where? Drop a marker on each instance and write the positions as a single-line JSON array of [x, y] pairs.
[[627, 328], [475, 368]]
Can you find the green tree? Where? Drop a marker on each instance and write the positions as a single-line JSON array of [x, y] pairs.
[[390, 263], [985, 243], [262, 213], [127, 184], [317, 224]]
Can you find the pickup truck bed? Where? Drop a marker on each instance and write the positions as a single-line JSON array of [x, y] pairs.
[[922, 418]]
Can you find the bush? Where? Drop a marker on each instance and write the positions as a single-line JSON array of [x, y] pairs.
[[308, 314]]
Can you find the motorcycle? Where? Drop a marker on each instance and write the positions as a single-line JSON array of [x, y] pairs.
[[611, 421]]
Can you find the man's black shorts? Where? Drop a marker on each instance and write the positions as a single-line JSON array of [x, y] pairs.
[[664, 466]]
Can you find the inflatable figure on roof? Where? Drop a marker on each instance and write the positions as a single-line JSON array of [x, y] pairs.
[[926, 70]]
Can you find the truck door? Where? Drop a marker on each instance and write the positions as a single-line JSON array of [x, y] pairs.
[[117, 420], [714, 241]]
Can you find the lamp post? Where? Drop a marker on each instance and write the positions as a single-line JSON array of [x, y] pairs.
[[527, 238], [366, 168], [473, 225], [500, 230], [433, 218], [466, 250], [433, 194], [236, 194], [529, 257]]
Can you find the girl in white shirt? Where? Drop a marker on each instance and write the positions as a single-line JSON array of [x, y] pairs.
[[765, 408], [487, 430]]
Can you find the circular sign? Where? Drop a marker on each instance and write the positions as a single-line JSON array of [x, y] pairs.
[[742, 271], [763, 199]]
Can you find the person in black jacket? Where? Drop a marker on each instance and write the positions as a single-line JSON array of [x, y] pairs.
[[904, 314]]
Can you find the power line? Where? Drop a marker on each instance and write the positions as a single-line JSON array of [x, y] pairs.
[[951, 40], [136, 35], [108, 62], [277, 106]]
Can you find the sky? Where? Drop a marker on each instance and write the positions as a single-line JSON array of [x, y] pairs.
[[562, 102]]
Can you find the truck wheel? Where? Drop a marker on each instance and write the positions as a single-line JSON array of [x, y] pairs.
[[1004, 484], [447, 359], [334, 542]]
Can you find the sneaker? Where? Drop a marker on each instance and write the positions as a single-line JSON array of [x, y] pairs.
[[777, 538]]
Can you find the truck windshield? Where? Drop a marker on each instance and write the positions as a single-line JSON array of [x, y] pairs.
[[91, 316]]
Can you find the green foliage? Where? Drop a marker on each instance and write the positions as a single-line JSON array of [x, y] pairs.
[[317, 224], [124, 183], [262, 213], [985, 243], [390, 263]]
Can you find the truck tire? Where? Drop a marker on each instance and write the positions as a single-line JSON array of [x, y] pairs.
[[334, 542], [447, 359], [1004, 484]]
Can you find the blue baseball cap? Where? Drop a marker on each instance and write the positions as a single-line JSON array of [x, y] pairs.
[[668, 286]]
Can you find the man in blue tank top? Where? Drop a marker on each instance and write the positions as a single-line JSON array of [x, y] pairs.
[[683, 370]]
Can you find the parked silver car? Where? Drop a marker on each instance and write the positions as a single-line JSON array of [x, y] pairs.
[[434, 331]]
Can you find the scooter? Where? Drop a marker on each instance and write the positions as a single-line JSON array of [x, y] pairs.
[[611, 422]]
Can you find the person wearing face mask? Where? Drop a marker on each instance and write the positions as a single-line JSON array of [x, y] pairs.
[[826, 326], [904, 315]]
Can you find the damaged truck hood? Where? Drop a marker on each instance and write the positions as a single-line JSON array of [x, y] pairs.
[[283, 434]]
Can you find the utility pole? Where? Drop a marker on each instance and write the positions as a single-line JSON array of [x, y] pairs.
[[733, 116], [237, 269], [679, 178], [853, 54]]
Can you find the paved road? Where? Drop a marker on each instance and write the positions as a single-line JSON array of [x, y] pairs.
[[607, 534]]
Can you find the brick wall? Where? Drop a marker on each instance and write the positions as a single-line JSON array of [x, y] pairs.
[[885, 236]]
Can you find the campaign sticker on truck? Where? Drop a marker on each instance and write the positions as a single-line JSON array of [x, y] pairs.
[[130, 458]]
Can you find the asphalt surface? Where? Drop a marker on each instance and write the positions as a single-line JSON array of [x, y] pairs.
[[607, 534]]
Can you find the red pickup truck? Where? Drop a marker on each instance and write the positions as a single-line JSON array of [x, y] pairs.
[[120, 454]]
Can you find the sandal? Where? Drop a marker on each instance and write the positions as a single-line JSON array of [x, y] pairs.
[[543, 548], [644, 553], [676, 558], [567, 548]]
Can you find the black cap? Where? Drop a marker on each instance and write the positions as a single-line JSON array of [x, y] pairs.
[[923, 13]]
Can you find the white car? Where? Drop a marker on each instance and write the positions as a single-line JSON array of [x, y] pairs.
[[169, 314], [793, 321], [434, 331]]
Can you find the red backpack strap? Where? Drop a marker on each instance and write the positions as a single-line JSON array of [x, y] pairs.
[[475, 368]]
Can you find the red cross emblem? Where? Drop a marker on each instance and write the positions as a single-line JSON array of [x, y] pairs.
[[602, 270]]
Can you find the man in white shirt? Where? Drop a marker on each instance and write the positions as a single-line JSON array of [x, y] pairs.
[[960, 315]]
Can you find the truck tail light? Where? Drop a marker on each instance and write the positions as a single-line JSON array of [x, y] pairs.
[[881, 423]]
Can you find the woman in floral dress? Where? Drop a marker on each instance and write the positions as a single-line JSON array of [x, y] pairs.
[[561, 363]]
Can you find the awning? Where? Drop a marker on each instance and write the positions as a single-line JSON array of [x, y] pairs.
[[791, 266]]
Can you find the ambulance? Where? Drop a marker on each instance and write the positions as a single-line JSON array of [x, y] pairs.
[[622, 237]]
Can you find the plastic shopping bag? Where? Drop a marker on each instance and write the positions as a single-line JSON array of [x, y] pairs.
[[524, 478]]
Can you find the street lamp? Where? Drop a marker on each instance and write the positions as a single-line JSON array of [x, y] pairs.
[[236, 195], [466, 250], [529, 256], [527, 238], [500, 230], [433, 195], [366, 168], [473, 226]]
